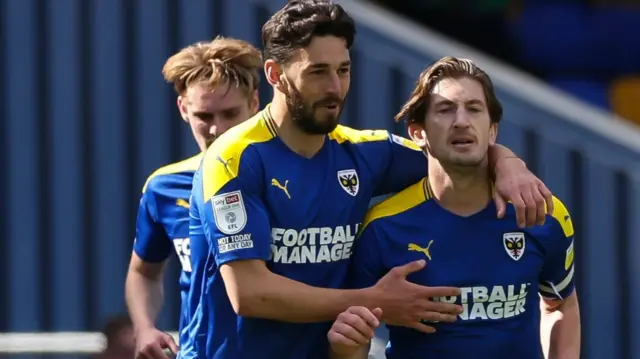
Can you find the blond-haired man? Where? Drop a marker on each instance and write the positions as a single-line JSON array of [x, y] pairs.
[[216, 83]]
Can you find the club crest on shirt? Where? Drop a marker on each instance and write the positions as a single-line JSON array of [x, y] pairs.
[[514, 244], [349, 181]]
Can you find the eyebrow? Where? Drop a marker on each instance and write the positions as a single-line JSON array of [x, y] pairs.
[[324, 65], [470, 102]]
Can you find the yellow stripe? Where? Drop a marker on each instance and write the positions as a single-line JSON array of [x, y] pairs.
[[410, 197], [561, 214], [190, 164], [222, 159], [347, 134]]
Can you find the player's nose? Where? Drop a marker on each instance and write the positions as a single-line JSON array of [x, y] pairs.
[[461, 119], [213, 131]]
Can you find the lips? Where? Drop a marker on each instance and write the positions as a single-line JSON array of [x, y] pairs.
[[462, 140]]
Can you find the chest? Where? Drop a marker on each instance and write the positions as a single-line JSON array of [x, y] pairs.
[[174, 213], [474, 255], [331, 189]]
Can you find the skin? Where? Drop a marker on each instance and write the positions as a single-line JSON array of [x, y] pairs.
[[456, 135], [209, 113], [319, 76]]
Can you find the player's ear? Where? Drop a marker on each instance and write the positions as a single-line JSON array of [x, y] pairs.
[[493, 133], [275, 76], [182, 107], [255, 102], [417, 134], [272, 72]]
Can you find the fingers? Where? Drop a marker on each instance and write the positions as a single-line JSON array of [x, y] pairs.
[[437, 317], [377, 312], [364, 314], [409, 268], [171, 344], [548, 197], [337, 338], [354, 327], [423, 328], [521, 216], [501, 206], [530, 208], [153, 351], [433, 292]]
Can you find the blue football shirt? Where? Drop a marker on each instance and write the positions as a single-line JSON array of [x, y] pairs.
[[257, 199], [500, 268], [162, 224]]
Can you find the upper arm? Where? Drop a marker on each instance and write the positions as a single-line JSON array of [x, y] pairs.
[[406, 165], [152, 244], [149, 270], [366, 263], [557, 278], [234, 214]]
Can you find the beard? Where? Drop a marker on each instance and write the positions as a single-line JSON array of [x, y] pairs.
[[303, 114]]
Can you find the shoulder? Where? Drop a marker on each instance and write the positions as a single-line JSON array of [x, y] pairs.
[[235, 141], [557, 224], [164, 175], [397, 204], [344, 134], [222, 160], [561, 217]]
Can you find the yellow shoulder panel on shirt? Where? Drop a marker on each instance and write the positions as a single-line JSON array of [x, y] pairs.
[[347, 134], [561, 214], [222, 159], [399, 202], [190, 164]]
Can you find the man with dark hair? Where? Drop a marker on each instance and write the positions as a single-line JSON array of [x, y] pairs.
[[447, 220], [279, 199]]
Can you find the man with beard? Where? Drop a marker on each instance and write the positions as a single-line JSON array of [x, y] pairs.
[[216, 83], [278, 201]]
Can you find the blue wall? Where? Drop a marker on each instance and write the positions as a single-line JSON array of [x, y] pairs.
[[86, 117]]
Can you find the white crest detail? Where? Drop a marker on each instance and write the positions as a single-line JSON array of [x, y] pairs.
[[349, 181], [514, 244]]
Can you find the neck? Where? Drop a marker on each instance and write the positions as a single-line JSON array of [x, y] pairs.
[[461, 190], [299, 142]]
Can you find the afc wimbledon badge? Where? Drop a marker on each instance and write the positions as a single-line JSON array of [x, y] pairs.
[[514, 244], [229, 212], [349, 181]]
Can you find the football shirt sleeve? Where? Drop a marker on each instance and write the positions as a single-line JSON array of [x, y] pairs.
[[152, 243], [557, 279], [367, 266], [406, 165], [234, 214]]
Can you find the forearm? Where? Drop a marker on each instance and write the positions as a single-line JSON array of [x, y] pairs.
[[144, 297], [272, 296], [562, 328], [498, 152]]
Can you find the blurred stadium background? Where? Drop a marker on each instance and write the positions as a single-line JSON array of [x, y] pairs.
[[86, 117]]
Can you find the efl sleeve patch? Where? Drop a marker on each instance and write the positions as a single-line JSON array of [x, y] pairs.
[[229, 212]]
